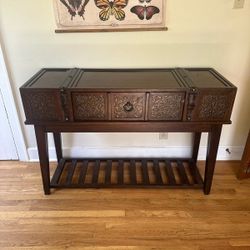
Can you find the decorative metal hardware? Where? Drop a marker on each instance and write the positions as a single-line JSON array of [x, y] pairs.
[[191, 103], [64, 103], [128, 107]]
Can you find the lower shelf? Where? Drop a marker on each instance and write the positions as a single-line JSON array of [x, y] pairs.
[[126, 173]]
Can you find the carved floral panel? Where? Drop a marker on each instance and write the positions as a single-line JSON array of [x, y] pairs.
[[44, 106], [167, 106], [89, 106], [213, 107]]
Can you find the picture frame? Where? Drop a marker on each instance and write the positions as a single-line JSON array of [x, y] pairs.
[[109, 15]]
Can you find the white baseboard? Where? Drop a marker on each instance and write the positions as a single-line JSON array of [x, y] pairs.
[[236, 152]]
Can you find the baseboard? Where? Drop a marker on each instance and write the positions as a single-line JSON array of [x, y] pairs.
[[235, 152]]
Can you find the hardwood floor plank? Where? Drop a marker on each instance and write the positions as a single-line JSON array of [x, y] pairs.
[[122, 219]]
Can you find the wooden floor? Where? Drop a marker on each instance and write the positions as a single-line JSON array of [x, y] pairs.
[[122, 219]]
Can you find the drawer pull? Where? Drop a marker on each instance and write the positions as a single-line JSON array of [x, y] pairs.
[[128, 107]]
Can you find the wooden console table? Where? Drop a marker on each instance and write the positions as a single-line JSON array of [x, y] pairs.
[[145, 100]]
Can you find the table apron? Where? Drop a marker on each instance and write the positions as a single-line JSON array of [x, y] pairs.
[[129, 127]]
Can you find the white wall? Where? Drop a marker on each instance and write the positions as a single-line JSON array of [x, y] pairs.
[[201, 33]]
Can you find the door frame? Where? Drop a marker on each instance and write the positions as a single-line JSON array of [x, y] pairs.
[[244, 171], [11, 109]]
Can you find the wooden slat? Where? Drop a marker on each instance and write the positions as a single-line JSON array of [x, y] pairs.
[[195, 173], [120, 172], [83, 172], [169, 173], [108, 172], [145, 172], [157, 172], [96, 172], [182, 173], [58, 172], [71, 172], [132, 172], [168, 169]]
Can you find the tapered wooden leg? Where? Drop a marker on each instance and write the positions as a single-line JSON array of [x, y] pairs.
[[212, 149], [196, 145], [42, 145], [58, 145]]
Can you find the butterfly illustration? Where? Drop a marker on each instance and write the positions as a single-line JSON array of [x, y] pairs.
[[145, 12], [75, 7], [109, 8]]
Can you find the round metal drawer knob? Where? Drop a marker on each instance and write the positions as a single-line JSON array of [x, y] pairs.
[[128, 107]]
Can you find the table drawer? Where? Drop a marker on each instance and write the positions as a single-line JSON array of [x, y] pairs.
[[89, 106], [127, 106], [167, 106]]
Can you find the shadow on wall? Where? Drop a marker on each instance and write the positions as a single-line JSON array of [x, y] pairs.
[[243, 101]]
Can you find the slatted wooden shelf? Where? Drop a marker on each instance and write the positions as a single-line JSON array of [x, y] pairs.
[[125, 173]]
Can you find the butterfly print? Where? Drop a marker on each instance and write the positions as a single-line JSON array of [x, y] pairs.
[[145, 12], [75, 7], [110, 8]]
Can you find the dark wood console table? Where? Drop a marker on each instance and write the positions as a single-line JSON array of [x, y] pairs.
[[145, 100]]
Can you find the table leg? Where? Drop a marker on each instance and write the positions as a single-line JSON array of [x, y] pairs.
[[42, 145], [58, 145], [212, 149], [196, 145]]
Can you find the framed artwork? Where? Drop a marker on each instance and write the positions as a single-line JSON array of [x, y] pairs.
[[109, 15]]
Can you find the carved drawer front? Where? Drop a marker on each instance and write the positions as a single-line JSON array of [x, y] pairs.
[[89, 106], [43, 106], [166, 106], [128, 106], [210, 105]]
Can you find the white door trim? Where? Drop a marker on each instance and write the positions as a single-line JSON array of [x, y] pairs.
[[10, 106], [8, 149]]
